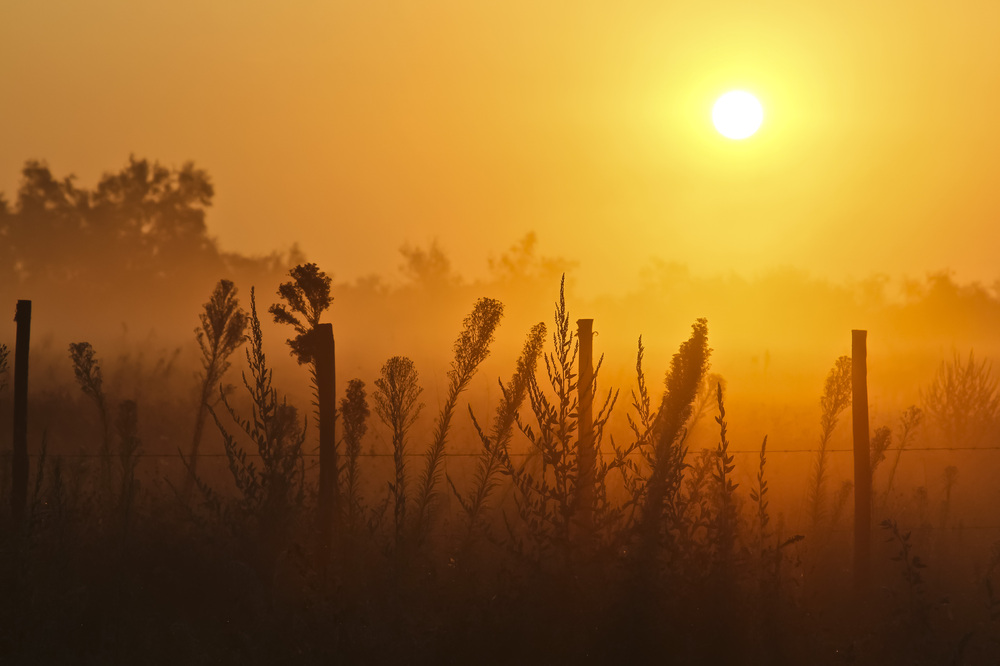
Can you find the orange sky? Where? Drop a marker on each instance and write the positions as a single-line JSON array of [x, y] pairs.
[[353, 127]]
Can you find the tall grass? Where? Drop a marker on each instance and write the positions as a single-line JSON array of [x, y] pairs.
[[354, 411], [909, 422], [911, 567], [548, 493], [758, 495], [661, 510], [723, 475], [396, 397], [4, 374], [127, 428], [271, 492], [87, 370], [470, 350], [221, 332], [835, 399], [494, 455], [879, 443], [642, 426], [681, 566]]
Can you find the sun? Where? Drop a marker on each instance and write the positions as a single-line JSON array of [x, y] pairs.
[[737, 114]]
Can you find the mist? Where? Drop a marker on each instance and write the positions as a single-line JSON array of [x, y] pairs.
[[458, 435]]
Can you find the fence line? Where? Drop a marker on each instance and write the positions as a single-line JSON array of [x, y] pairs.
[[463, 454], [459, 454]]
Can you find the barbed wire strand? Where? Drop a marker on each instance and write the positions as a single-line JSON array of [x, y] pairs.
[[467, 454]]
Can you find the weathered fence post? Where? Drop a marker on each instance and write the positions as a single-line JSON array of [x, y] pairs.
[[19, 478], [862, 460], [587, 457], [326, 380]]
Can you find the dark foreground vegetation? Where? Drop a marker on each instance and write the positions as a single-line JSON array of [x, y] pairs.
[[536, 533], [642, 552]]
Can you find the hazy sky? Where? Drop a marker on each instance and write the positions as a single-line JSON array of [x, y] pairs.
[[353, 127]]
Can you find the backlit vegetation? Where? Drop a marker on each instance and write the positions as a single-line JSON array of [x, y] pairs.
[[474, 530], [521, 563]]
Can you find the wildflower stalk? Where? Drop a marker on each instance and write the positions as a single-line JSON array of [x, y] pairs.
[[494, 453], [471, 349], [222, 331], [835, 399], [724, 467], [87, 369], [354, 409], [396, 403], [687, 367]]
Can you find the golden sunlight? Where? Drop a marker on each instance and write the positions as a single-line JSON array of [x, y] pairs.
[[737, 114]]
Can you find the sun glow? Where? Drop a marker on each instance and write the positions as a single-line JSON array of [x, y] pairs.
[[737, 115]]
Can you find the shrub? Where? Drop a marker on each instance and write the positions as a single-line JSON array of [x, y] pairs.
[[963, 400]]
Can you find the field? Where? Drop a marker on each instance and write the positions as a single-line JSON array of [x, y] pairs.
[[477, 525]]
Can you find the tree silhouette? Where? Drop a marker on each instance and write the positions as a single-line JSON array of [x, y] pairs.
[[156, 213], [135, 238], [145, 222], [429, 268]]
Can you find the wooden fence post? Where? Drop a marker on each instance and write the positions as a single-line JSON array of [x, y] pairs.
[[862, 460], [19, 478], [326, 381], [586, 457]]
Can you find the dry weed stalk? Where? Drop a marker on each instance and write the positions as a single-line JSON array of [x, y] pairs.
[[271, 491], [4, 369], [222, 331], [912, 567], [396, 396], [835, 399], [666, 457], [759, 497], [471, 349], [494, 455], [87, 370], [880, 442], [724, 468], [547, 499], [354, 410], [910, 422], [127, 427], [307, 297]]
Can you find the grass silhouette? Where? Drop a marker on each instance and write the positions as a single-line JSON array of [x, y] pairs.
[[686, 559]]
